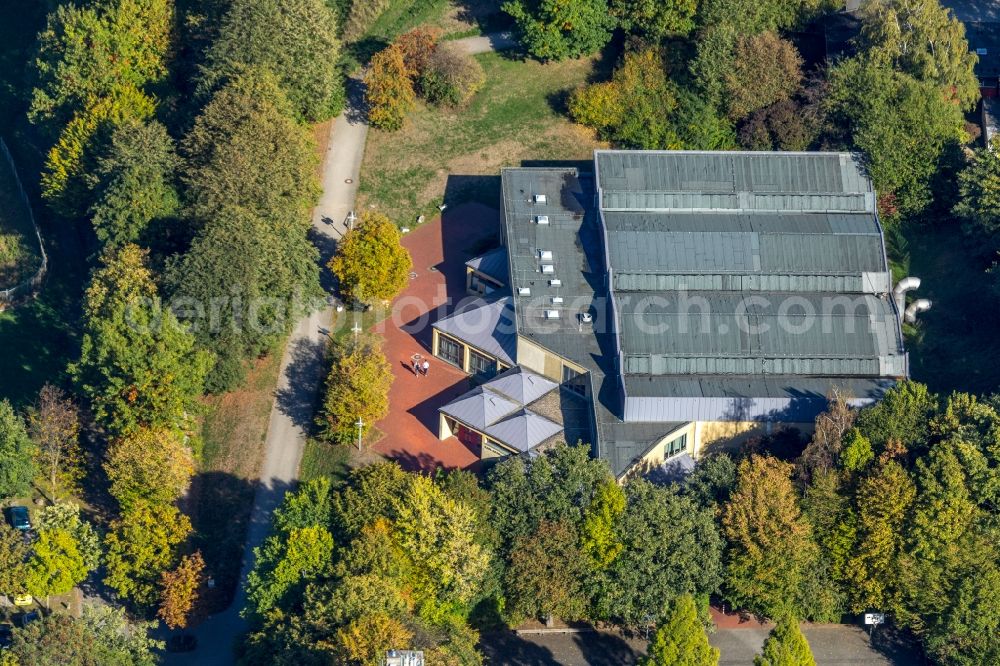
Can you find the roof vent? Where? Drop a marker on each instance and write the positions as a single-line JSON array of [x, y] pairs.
[[555, 282], [552, 314], [524, 291], [548, 268], [557, 300], [545, 255], [982, 51], [586, 317], [540, 199], [541, 219]]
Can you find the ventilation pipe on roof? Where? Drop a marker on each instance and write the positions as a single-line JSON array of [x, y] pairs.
[[903, 286], [916, 307]]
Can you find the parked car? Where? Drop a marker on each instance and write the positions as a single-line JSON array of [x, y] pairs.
[[23, 600], [18, 518]]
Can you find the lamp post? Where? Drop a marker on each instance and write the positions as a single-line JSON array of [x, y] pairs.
[[360, 424]]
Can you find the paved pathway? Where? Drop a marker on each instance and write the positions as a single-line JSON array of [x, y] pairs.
[[301, 365]]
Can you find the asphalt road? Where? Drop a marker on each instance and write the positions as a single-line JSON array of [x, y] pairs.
[[832, 645]]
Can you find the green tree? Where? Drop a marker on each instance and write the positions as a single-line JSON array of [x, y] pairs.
[[856, 453], [66, 182], [363, 641], [141, 545], [294, 39], [138, 366], [96, 51], [284, 563], [438, 535], [246, 152], [923, 39], [56, 565], [559, 29], [670, 547], [766, 69], [633, 109], [103, 636], [655, 19], [902, 415], [13, 561], [680, 639], [242, 285], [66, 516], [148, 465], [901, 125], [134, 182], [546, 575], [54, 423], [786, 646], [370, 494], [371, 265], [883, 503], [754, 16], [17, 453], [979, 188], [357, 387], [389, 89], [599, 534], [771, 551]]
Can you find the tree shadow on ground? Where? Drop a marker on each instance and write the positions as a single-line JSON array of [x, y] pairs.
[[299, 398]]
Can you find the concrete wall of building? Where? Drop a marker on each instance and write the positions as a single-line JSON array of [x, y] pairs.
[[713, 436], [658, 453], [536, 358]]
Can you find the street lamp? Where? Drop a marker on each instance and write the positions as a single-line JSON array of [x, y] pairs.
[[360, 424]]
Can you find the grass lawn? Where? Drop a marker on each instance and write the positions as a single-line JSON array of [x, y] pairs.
[[19, 252], [953, 346], [233, 431], [456, 155]]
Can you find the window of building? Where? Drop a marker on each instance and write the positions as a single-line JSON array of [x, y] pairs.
[[481, 365], [450, 350], [574, 381], [676, 446]]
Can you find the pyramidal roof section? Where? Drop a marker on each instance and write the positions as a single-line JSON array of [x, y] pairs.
[[524, 430], [523, 386], [480, 408]]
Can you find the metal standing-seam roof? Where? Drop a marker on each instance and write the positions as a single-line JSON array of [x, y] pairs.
[[523, 430], [480, 408], [485, 324], [492, 263], [522, 385]]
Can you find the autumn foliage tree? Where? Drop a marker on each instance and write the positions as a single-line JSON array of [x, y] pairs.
[[54, 425], [766, 69], [138, 365], [179, 590], [148, 466], [786, 646], [357, 387], [371, 265], [141, 545], [389, 89], [771, 550]]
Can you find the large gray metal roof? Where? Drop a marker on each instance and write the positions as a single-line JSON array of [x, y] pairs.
[[485, 324], [732, 181]]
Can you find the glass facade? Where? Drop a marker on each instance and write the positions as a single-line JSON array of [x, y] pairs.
[[676, 446], [480, 365], [574, 381], [450, 350]]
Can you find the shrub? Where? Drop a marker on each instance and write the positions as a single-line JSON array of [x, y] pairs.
[[389, 89], [418, 46], [451, 77]]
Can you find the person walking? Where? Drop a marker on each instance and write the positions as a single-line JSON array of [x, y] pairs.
[[413, 365], [425, 367]]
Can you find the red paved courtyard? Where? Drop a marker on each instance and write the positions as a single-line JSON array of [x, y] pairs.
[[439, 250]]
